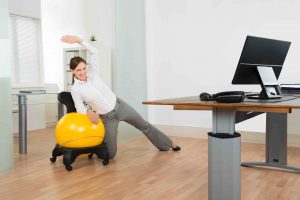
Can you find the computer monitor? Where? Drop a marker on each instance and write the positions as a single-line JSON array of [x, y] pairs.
[[261, 62]]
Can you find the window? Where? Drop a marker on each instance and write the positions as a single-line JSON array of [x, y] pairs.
[[25, 57]]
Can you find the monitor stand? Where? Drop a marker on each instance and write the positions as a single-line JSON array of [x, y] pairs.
[[268, 82]]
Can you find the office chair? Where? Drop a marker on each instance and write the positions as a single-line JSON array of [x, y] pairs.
[[70, 154]]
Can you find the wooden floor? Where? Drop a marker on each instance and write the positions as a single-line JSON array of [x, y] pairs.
[[139, 172]]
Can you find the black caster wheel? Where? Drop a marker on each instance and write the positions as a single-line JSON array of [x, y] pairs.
[[91, 155], [68, 167], [105, 162], [53, 159]]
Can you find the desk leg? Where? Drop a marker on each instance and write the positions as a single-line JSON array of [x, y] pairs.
[[22, 124], [276, 143], [224, 157]]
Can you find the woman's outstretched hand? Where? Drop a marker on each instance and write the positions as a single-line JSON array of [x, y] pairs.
[[71, 39], [94, 118]]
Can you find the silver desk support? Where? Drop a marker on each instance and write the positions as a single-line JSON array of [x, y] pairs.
[[224, 152], [276, 143], [22, 123], [224, 157], [22, 103]]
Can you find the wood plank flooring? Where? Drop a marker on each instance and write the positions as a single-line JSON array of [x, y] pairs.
[[140, 172]]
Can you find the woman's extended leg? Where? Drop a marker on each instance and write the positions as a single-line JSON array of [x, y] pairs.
[[128, 114]]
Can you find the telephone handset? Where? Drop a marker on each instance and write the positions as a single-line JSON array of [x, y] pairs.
[[224, 97], [228, 93]]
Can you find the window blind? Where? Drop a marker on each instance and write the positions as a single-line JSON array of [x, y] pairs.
[[25, 61]]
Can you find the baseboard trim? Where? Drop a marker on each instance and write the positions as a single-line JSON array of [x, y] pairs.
[[50, 124], [201, 133]]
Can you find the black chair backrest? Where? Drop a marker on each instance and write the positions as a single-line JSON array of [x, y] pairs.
[[66, 99]]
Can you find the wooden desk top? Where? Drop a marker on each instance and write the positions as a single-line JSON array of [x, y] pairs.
[[283, 105]]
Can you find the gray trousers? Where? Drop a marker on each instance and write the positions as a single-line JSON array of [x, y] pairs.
[[124, 112]]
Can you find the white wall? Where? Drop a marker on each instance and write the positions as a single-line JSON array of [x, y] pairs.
[[28, 8], [77, 17], [101, 20], [194, 46], [101, 23], [59, 18]]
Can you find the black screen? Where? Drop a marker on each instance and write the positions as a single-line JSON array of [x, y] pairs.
[[260, 52]]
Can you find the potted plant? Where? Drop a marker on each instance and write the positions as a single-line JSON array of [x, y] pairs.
[[93, 38]]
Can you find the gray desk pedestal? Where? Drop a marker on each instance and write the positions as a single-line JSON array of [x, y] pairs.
[[224, 157], [22, 104], [22, 123], [224, 152]]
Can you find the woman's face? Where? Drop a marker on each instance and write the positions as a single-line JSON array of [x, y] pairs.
[[80, 72]]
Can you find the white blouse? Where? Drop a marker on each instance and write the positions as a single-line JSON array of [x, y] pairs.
[[93, 92]]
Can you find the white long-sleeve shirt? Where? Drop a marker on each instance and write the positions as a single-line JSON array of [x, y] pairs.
[[93, 92]]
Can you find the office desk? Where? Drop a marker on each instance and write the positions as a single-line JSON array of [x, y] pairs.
[[22, 108], [224, 143]]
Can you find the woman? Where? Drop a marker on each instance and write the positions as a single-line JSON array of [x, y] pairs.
[[89, 89]]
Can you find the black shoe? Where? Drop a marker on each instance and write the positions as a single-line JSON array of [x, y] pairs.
[[177, 148]]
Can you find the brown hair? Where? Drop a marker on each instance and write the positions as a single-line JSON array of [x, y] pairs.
[[75, 61]]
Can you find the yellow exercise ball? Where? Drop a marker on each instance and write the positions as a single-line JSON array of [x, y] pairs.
[[75, 130]]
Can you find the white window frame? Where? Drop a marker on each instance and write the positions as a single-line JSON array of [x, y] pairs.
[[40, 55]]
